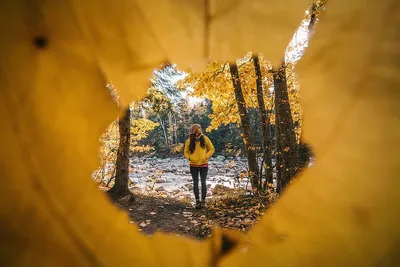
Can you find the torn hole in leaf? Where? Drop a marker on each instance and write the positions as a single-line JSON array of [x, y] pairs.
[[249, 171]]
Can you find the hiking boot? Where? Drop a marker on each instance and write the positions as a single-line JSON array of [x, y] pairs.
[[198, 204], [203, 203]]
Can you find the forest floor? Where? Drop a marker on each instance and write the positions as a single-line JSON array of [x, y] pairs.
[[237, 211]]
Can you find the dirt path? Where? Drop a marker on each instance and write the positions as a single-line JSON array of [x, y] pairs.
[[153, 213]]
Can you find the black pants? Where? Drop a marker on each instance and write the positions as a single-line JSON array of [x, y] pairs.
[[194, 171]]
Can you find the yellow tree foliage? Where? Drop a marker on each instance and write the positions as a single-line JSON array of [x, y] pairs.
[[139, 130], [215, 83], [109, 141], [345, 211], [293, 88]]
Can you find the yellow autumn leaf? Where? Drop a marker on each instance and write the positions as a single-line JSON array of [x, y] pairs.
[[345, 210], [132, 37], [234, 20], [54, 106]]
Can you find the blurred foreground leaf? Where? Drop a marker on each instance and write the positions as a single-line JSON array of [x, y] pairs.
[[54, 106]]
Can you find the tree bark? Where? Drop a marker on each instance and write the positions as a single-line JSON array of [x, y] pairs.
[[265, 124], [174, 132], [286, 145], [163, 126], [175, 129], [304, 150], [247, 138], [120, 187], [313, 19], [315, 10], [170, 129]]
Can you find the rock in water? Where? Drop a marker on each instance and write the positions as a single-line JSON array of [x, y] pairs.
[[161, 180], [160, 189], [176, 192], [220, 158], [212, 171]]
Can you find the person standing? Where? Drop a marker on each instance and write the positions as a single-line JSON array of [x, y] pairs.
[[198, 149]]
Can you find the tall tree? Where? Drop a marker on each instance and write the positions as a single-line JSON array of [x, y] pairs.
[[265, 123], [288, 162], [247, 138], [120, 187], [162, 99], [313, 19], [316, 9], [304, 150], [165, 80], [286, 145]]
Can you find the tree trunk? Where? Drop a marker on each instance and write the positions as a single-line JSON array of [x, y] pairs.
[[170, 129], [164, 132], [314, 16], [175, 130], [313, 19], [264, 122], [304, 155], [247, 138], [304, 150], [286, 146], [120, 187]]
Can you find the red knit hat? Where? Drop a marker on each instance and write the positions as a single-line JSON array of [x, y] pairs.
[[194, 128]]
